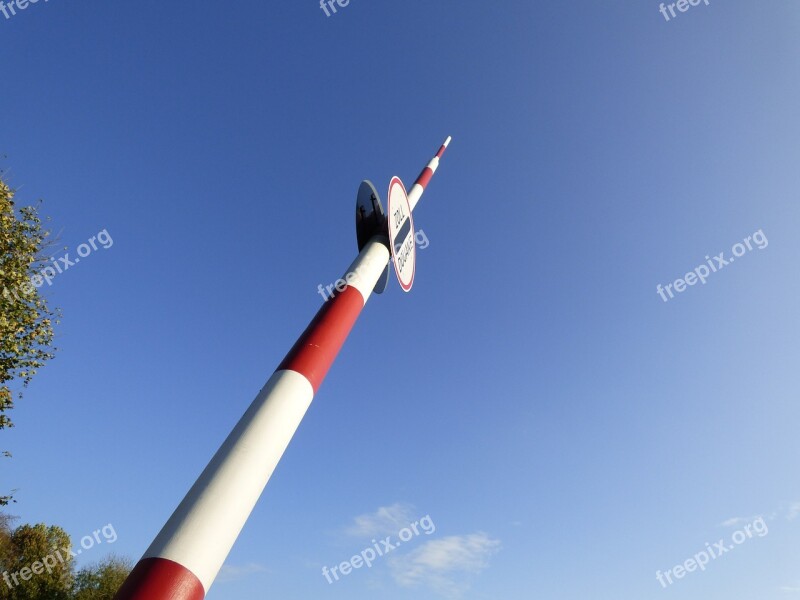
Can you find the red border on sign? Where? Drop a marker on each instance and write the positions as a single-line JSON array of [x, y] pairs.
[[397, 180]]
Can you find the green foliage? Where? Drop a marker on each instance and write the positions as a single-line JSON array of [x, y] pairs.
[[6, 547], [30, 546], [45, 553], [26, 321], [103, 580]]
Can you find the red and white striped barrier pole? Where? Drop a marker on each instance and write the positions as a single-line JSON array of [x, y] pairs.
[[184, 559], [415, 193]]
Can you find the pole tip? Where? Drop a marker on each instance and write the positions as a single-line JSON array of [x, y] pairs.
[[447, 141]]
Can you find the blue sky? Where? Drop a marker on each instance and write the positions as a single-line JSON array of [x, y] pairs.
[[568, 432]]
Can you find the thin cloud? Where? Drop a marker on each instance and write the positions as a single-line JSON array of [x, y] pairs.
[[445, 565], [791, 514], [791, 589], [733, 522], [387, 520], [234, 573]]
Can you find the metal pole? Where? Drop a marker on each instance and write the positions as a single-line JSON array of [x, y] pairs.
[[184, 559]]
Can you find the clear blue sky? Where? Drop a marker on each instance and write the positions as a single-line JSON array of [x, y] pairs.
[[568, 431]]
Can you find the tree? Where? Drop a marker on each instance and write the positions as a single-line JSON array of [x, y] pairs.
[[38, 564], [103, 580], [6, 546], [26, 321]]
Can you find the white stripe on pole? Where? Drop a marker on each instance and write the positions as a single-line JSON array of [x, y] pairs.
[[202, 530], [204, 527], [418, 188], [367, 268]]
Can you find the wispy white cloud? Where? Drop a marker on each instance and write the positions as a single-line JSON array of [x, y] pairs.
[[734, 521], [233, 573], [445, 565], [792, 512], [386, 520], [791, 589]]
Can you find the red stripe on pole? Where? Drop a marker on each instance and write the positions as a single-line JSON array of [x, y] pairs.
[[160, 579], [425, 177], [315, 350], [441, 151]]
